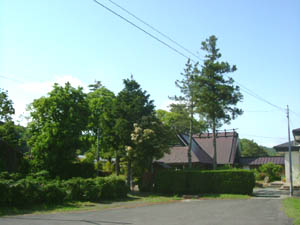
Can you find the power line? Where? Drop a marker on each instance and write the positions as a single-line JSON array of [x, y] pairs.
[[11, 79], [253, 94], [296, 114], [243, 88], [155, 29], [141, 29]]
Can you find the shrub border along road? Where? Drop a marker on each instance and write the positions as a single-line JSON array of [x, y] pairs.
[[204, 182]]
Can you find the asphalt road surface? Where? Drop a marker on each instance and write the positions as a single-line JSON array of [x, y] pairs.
[[188, 212]]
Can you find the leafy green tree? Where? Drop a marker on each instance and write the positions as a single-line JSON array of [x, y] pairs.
[[132, 105], [271, 170], [101, 103], [12, 141], [58, 121], [6, 106], [251, 149], [188, 99], [179, 121], [151, 139], [217, 95]]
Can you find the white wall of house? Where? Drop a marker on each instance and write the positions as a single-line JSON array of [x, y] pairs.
[[295, 167]]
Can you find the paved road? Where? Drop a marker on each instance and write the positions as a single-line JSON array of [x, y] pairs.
[[189, 212]]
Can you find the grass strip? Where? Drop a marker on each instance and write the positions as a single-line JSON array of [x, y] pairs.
[[134, 199], [292, 209]]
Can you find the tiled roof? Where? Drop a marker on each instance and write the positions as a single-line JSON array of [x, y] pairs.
[[202, 149], [285, 147], [201, 154], [253, 161], [227, 146], [178, 155]]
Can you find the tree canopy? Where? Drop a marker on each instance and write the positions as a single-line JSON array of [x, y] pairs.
[[58, 121], [217, 95], [6, 106], [188, 99], [251, 149]]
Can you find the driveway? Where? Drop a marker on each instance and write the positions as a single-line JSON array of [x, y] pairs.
[[188, 212]]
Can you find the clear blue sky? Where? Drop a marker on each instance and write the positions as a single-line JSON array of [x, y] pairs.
[[42, 42]]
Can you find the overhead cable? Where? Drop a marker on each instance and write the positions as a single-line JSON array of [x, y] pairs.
[[141, 29]]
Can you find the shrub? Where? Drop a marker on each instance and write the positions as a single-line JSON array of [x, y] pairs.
[[113, 187], [53, 192], [79, 169], [94, 189], [200, 182], [271, 170], [36, 189], [10, 176]]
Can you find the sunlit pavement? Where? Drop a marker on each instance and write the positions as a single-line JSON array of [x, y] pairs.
[[258, 211]]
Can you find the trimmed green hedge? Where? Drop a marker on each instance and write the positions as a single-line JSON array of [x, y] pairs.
[[38, 190], [203, 182]]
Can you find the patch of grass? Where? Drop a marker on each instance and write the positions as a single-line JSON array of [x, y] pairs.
[[44, 208], [225, 196], [134, 199], [292, 209]]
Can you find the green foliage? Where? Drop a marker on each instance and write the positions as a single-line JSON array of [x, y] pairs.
[[202, 182], [250, 148], [179, 121], [133, 106], [271, 170], [188, 100], [151, 139], [37, 189], [10, 151], [79, 169], [270, 151], [79, 189], [217, 96], [6, 106], [58, 121], [101, 103]]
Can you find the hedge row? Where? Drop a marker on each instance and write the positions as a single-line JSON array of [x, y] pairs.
[[202, 182], [38, 190]]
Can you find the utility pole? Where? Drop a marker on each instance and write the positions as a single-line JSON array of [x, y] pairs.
[[97, 155], [290, 153]]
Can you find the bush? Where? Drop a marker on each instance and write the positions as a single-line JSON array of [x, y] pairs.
[[53, 192], [36, 189], [202, 182], [10, 176], [79, 169], [94, 189], [271, 170]]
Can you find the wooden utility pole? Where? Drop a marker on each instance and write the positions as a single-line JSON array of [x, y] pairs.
[[290, 152]]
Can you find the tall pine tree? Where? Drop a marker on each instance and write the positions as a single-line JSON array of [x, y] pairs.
[[217, 96]]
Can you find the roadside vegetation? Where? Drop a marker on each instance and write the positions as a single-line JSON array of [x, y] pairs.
[[87, 149], [133, 199], [292, 209]]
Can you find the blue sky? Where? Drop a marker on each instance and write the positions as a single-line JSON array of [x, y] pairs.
[[43, 42]]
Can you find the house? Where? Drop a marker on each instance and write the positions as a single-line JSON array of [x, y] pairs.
[[255, 162], [295, 153], [228, 152]]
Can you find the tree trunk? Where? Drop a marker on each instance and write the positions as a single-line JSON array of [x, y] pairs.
[[190, 139], [129, 173], [215, 146], [117, 163]]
